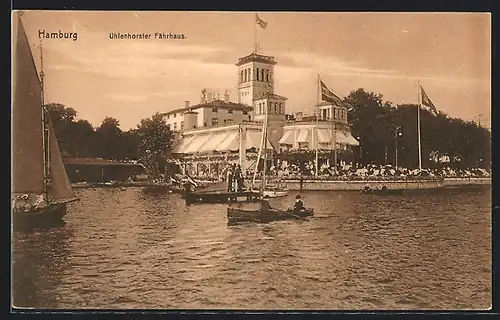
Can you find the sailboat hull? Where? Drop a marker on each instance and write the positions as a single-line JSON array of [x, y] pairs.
[[51, 215]]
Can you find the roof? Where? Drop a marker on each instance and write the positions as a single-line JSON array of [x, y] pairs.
[[271, 95], [97, 162], [220, 104], [255, 57]]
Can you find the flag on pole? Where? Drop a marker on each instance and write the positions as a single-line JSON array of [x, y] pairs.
[[427, 102], [328, 95], [260, 22]]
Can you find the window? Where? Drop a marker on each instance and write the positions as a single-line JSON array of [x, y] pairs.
[[262, 75], [241, 76], [204, 124], [267, 75], [257, 74], [168, 126], [215, 121], [230, 111], [245, 113], [229, 121], [182, 125], [269, 108], [175, 115], [214, 110], [175, 125], [281, 108], [194, 126], [275, 108], [168, 116]]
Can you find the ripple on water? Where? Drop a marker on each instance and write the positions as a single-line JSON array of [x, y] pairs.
[[129, 249]]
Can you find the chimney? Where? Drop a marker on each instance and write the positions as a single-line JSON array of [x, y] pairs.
[[209, 96], [226, 97], [186, 104]]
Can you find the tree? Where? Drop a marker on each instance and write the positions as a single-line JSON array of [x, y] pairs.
[[109, 136], [62, 118], [155, 142]]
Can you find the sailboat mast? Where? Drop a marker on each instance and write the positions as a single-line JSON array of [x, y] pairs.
[[317, 124], [45, 135], [418, 127], [264, 133]]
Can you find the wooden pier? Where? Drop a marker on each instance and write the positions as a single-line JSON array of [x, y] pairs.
[[220, 197]]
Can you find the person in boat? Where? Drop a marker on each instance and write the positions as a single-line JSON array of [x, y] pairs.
[[299, 205], [264, 204]]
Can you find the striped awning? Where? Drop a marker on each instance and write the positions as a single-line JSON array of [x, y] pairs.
[[303, 136], [197, 143], [213, 142], [351, 140], [287, 138], [253, 139], [230, 143], [181, 146]]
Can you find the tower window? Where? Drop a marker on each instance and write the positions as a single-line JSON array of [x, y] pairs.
[[215, 121], [245, 113], [182, 125], [257, 74], [230, 111], [262, 75], [241, 76], [267, 75], [214, 110], [281, 108], [275, 108]]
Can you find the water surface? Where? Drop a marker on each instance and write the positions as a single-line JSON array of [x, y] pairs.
[[133, 249]]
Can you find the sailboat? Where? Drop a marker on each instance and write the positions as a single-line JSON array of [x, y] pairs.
[[265, 188], [40, 186]]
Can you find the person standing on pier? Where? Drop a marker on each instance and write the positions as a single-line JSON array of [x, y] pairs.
[[229, 179]]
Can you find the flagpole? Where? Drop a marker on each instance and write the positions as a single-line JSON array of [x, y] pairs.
[[418, 127], [255, 34], [317, 124]]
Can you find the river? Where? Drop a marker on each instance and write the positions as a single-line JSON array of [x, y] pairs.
[[133, 249]]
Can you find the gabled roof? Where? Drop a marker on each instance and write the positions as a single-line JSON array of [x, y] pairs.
[[220, 104]]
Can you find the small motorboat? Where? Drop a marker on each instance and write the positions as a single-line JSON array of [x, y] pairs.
[[235, 215]]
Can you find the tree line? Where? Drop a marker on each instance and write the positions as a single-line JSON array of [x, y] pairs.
[[380, 127]]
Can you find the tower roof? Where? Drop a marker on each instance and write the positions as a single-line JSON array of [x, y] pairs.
[[255, 57]]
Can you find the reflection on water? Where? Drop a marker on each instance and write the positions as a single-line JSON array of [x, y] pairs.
[[132, 249]]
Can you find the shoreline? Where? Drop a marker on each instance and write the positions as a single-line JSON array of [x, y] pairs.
[[326, 185]]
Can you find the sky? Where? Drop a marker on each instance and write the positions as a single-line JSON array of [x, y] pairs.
[[448, 53]]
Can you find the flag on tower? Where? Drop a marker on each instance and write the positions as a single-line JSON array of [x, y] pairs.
[[260, 22], [328, 95], [427, 102]]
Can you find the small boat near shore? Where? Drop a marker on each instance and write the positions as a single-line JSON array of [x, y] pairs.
[[382, 192], [235, 215]]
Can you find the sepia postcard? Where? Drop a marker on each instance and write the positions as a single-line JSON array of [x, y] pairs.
[[188, 160]]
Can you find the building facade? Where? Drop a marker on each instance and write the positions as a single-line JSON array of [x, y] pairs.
[[210, 112], [216, 132]]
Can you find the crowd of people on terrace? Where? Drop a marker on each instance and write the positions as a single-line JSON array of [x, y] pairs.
[[286, 170]]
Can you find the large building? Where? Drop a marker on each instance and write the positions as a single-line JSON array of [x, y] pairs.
[[215, 132], [210, 112]]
